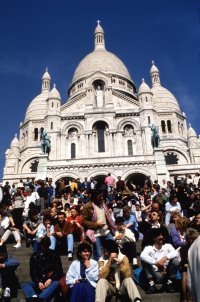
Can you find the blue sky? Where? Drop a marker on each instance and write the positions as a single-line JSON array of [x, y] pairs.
[[59, 33]]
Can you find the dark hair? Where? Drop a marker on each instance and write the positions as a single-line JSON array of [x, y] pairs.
[[32, 212], [82, 247], [119, 220], [61, 213], [45, 242], [155, 232], [95, 193], [110, 246]]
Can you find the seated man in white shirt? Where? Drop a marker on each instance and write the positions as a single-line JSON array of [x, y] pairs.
[[160, 263]]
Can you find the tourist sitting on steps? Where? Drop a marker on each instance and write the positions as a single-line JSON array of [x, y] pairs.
[[83, 275], [45, 271], [160, 263], [115, 275]]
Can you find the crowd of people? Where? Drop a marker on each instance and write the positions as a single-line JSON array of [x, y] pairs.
[[109, 221]]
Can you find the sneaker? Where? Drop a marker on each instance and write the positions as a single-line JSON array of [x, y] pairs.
[[70, 256], [6, 293], [152, 289], [169, 288], [17, 245]]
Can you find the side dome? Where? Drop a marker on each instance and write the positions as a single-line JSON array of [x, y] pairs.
[[144, 88], [163, 99], [37, 108], [15, 142], [191, 132], [100, 60], [54, 93]]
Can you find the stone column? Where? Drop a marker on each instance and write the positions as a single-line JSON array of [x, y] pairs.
[[42, 167], [161, 168]]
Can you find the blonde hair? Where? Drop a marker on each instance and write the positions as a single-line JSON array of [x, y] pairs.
[[182, 223]]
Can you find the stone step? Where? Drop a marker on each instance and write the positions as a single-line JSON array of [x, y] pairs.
[[23, 255]]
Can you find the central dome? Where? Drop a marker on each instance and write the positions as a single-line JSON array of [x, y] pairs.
[[100, 60]]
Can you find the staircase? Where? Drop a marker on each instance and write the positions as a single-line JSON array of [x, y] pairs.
[[23, 255]]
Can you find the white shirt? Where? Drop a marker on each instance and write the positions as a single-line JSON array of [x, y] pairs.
[[169, 208], [152, 255]]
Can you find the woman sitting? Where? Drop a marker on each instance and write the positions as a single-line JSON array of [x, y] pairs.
[[83, 275], [45, 229], [8, 228], [177, 234]]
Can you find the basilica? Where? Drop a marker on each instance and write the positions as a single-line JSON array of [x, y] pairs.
[[105, 126]]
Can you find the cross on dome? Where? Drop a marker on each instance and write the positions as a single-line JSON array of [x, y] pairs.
[[98, 22]]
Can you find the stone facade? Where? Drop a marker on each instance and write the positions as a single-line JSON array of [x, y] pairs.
[[104, 126]]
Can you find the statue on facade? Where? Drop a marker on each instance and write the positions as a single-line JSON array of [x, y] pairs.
[[155, 137], [45, 141], [99, 97]]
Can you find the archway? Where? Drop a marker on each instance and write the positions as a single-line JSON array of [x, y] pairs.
[[137, 179]]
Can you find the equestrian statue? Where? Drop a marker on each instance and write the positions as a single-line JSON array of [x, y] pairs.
[[45, 141], [155, 137]]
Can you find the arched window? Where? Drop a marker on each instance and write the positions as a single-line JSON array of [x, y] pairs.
[[169, 126], [35, 134], [130, 147], [100, 129], [163, 127], [51, 125], [73, 150], [101, 140]]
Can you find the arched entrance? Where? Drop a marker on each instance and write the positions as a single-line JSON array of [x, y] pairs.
[[137, 179]]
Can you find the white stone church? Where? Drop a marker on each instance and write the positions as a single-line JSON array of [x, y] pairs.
[[104, 126]]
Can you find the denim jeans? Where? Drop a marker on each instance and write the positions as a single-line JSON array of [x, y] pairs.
[[70, 243], [98, 245], [30, 289]]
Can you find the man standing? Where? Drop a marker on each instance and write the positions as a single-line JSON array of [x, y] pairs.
[[63, 232], [97, 221], [159, 263], [110, 182]]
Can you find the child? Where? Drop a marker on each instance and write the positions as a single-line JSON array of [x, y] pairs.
[[125, 238]]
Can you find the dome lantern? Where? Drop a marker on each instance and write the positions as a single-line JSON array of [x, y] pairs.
[[99, 42], [155, 76], [46, 80]]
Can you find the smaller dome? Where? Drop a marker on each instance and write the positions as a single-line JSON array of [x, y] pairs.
[[46, 75], [98, 29], [54, 94], [153, 68], [144, 88], [37, 108], [163, 99], [15, 142], [191, 132]]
